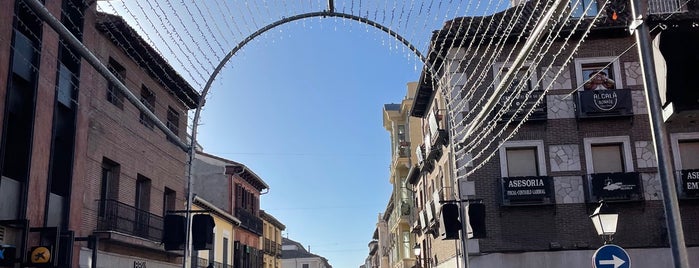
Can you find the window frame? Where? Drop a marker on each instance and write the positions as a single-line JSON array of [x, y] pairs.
[[540, 154], [148, 98], [581, 4], [615, 66], [626, 154], [533, 80], [114, 94]]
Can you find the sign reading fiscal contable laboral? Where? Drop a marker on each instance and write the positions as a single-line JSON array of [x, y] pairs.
[[531, 188], [611, 256]]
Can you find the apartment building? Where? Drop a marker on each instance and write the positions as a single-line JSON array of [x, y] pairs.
[[271, 241], [221, 252], [588, 140], [405, 133], [236, 189], [79, 161], [294, 255]]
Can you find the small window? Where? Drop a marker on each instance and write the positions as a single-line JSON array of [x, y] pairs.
[[579, 8], [143, 193], [114, 95], [173, 120], [607, 158], [689, 149], [109, 188], [522, 162], [524, 73], [148, 99], [598, 73], [305, 265], [598, 76], [608, 154], [522, 158], [169, 200]]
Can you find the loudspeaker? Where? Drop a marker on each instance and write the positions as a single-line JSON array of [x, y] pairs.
[[450, 221], [476, 218], [174, 230], [203, 232]]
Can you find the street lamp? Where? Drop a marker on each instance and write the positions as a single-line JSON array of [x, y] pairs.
[[605, 221], [417, 250]]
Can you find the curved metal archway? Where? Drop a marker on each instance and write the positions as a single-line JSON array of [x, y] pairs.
[[235, 50]]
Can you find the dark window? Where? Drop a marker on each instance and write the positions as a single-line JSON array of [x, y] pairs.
[[305, 265], [148, 99], [688, 154], [598, 76], [173, 120], [114, 95], [169, 199], [110, 183], [225, 252], [142, 193], [143, 205]]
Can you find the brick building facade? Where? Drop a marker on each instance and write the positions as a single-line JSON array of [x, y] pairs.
[[80, 160], [584, 143]]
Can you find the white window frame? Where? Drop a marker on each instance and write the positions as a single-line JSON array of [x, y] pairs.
[[533, 79], [616, 67], [539, 144], [675, 139], [626, 153]]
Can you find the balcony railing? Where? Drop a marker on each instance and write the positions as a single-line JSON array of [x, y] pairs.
[[666, 6], [249, 220], [127, 219]]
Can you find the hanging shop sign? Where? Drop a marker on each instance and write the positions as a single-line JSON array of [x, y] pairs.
[[603, 103], [529, 189], [690, 182], [616, 186]]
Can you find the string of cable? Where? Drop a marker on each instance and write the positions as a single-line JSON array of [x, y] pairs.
[[531, 108]]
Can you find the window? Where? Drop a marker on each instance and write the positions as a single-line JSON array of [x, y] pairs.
[[225, 252], [608, 154], [607, 158], [305, 265], [580, 6], [169, 199], [173, 120], [522, 158], [598, 73], [142, 193], [522, 162], [519, 76], [114, 95], [109, 188], [688, 154], [148, 99]]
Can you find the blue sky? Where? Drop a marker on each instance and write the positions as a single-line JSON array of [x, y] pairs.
[[303, 109]]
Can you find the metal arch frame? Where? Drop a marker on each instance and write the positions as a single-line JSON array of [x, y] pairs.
[[226, 59]]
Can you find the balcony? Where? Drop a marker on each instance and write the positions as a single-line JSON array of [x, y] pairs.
[[527, 103], [527, 190], [619, 186], [123, 218], [272, 248], [666, 6], [249, 221], [603, 103]]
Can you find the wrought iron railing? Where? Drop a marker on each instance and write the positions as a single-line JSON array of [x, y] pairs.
[[249, 221], [666, 6], [127, 219]]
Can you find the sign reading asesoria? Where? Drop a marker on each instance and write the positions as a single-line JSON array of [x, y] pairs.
[[527, 189]]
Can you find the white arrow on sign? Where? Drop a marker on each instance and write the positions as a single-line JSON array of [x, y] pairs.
[[616, 261]]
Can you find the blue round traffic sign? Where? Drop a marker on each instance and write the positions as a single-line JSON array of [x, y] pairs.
[[611, 256]]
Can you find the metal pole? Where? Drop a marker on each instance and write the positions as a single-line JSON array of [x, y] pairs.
[[672, 209]]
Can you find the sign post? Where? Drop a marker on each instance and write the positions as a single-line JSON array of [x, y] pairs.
[[611, 256]]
